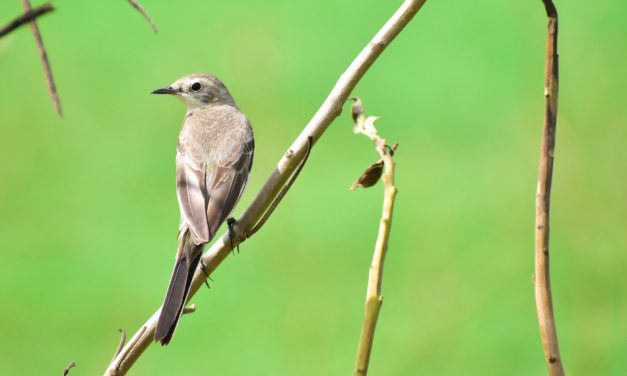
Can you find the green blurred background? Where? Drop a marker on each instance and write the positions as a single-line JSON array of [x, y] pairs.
[[88, 212]]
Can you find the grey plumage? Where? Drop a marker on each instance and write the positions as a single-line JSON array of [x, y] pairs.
[[213, 160]]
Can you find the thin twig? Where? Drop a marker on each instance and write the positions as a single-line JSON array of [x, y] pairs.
[[544, 302], [145, 14], [286, 187], [52, 87], [67, 369], [126, 350], [26, 18], [329, 110], [374, 299], [121, 344]]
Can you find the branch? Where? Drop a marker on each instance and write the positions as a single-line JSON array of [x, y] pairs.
[[67, 369], [542, 280], [145, 14], [374, 299], [290, 161], [26, 18], [52, 88], [121, 344]]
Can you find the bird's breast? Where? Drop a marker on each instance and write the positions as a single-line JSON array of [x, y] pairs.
[[215, 133]]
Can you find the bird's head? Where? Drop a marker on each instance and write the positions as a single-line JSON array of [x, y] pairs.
[[198, 90]]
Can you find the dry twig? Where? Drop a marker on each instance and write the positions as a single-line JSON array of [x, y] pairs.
[[52, 87], [145, 14], [329, 110], [26, 18], [121, 344], [544, 303], [67, 369], [374, 299]]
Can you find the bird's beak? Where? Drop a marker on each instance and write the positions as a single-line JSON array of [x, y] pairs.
[[165, 90]]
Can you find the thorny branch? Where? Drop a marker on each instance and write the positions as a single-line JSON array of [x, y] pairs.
[[52, 87], [26, 18], [544, 303], [329, 110], [383, 169]]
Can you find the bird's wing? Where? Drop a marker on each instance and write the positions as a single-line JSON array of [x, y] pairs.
[[227, 184], [192, 194]]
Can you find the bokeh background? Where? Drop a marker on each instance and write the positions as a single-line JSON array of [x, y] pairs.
[[88, 212]]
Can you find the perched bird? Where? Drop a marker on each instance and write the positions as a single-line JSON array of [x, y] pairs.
[[213, 159]]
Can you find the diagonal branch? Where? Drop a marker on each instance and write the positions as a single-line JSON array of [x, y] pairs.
[[374, 299], [145, 14], [544, 303], [52, 87], [329, 110], [26, 18]]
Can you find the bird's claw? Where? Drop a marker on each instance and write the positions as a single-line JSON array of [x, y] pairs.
[[203, 268], [230, 221]]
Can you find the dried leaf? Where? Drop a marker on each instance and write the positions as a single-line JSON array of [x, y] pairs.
[[370, 177]]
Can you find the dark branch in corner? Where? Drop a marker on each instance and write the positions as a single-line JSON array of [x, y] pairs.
[[145, 14], [52, 87], [26, 18]]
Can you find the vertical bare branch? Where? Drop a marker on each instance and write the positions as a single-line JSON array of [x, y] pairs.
[[145, 14], [544, 302], [287, 165], [374, 299], [52, 87], [26, 18]]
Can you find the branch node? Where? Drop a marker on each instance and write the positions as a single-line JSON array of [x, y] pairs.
[[189, 309]]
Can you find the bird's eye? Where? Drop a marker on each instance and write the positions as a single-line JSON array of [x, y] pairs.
[[196, 86]]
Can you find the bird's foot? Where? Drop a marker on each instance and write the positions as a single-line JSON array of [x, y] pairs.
[[203, 268], [230, 221]]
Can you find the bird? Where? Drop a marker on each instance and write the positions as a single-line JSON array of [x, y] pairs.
[[214, 156]]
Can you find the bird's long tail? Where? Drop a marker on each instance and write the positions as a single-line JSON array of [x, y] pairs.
[[176, 296]]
